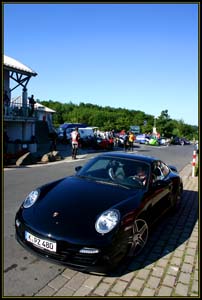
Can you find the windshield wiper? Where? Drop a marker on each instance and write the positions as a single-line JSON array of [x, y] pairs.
[[84, 177], [104, 181], [113, 183]]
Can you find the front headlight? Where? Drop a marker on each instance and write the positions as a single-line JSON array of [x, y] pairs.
[[107, 221], [31, 199]]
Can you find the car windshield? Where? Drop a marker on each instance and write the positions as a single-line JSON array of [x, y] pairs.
[[119, 171]]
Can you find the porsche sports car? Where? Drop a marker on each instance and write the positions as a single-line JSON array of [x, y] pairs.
[[94, 220]]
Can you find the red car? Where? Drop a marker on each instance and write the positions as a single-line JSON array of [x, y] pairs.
[[104, 144]]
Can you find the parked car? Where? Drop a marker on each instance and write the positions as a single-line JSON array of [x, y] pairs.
[[153, 141], [104, 143], [87, 137], [98, 218], [64, 131], [120, 141], [180, 141], [142, 139], [163, 141]]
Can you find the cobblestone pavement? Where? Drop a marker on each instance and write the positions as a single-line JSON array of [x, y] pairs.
[[168, 266]]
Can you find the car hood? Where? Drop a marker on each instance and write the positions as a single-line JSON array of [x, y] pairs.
[[70, 207]]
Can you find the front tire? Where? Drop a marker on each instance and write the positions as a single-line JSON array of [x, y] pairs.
[[133, 245], [138, 238]]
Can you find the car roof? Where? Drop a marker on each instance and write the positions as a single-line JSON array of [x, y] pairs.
[[86, 128], [144, 158]]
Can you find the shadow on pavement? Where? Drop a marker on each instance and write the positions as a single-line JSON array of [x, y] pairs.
[[166, 236]]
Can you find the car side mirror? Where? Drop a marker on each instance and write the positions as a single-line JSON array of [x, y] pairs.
[[78, 168], [173, 168]]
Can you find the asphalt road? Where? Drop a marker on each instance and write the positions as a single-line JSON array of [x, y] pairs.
[[23, 273]]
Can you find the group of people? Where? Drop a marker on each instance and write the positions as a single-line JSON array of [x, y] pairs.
[[129, 139]]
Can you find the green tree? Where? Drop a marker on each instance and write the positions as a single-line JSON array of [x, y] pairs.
[[107, 118]]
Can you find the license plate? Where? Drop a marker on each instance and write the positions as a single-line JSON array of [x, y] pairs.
[[40, 243]]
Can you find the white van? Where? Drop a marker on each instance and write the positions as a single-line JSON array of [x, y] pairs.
[[87, 132]]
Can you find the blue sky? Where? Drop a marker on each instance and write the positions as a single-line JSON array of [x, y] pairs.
[[134, 56]]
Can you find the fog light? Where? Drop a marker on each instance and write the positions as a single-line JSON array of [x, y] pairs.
[[17, 222], [89, 250]]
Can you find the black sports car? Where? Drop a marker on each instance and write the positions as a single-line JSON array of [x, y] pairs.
[[95, 219]]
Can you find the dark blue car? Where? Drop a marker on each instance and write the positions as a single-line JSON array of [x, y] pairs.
[[180, 141]]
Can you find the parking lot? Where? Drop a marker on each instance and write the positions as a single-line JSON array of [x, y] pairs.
[[168, 266]]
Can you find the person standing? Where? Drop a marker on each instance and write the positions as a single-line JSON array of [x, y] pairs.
[[6, 103], [5, 139], [125, 142], [53, 141], [31, 104], [75, 142], [131, 139]]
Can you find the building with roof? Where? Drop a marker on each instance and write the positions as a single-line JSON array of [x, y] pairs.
[[23, 128], [19, 73]]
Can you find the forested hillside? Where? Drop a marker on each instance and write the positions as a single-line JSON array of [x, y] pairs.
[[108, 118]]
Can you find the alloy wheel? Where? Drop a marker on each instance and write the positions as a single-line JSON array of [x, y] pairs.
[[139, 237]]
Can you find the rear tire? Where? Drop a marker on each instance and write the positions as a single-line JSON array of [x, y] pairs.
[[175, 203]]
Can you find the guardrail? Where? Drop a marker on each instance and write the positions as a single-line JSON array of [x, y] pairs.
[[16, 109]]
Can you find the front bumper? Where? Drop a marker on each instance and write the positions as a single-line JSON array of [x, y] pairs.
[[68, 254]]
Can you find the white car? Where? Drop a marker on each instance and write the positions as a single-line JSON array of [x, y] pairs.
[[164, 141], [142, 139]]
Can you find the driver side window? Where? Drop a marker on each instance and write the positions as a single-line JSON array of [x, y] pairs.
[[157, 173]]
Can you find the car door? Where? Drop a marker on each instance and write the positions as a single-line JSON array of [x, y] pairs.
[[159, 192]]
